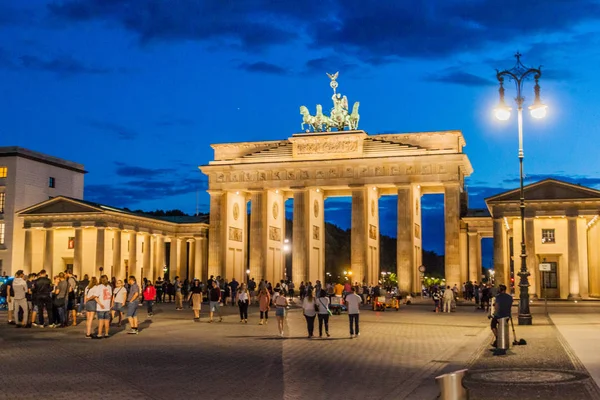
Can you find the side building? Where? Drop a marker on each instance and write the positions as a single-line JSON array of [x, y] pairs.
[[28, 177]]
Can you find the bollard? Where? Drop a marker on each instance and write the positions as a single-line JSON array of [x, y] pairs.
[[503, 342], [451, 387]]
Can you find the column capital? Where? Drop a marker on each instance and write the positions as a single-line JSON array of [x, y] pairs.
[[403, 185], [472, 233], [356, 186], [215, 193], [296, 189], [48, 225]]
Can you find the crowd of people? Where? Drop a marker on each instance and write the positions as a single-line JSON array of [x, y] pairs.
[[34, 300]]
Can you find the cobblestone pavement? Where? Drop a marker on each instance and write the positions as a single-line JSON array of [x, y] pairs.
[[545, 368], [396, 357]]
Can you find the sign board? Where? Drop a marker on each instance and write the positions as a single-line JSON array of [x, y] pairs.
[[545, 267], [422, 268]]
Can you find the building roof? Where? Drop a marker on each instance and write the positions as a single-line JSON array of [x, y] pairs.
[[547, 190], [477, 213], [16, 151]]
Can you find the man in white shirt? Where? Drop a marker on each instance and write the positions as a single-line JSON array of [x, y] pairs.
[[353, 302]]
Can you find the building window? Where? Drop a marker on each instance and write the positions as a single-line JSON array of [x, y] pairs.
[[548, 236], [2, 202], [550, 278], [2, 227], [3, 172], [51, 182], [71, 243]]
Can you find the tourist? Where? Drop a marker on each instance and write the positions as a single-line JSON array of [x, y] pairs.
[[281, 304], [9, 300], [215, 302], [159, 290], [165, 290], [226, 292], [90, 306], [243, 300], [353, 302], [435, 295], [61, 288], [196, 297], [102, 293], [149, 297], [448, 297], [252, 290], [502, 309], [43, 298], [264, 299], [81, 286], [178, 295], [119, 299], [20, 290], [324, 312], [71, 305], [133, 299], [309, 309], [31, 304], [291, 287], [233, 285]]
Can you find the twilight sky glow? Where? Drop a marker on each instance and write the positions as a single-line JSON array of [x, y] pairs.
[[137, 90]]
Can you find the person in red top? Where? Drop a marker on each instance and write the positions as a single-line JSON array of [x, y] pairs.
[[149, 297]]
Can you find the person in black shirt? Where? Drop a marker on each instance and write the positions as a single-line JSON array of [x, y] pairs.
[[502, 309], [43, 297]]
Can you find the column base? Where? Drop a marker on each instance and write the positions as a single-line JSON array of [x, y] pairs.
[[525, 319], [574, 297]]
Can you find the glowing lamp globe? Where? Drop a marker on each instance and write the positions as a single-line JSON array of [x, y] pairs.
[[538, 110], [502, 113]]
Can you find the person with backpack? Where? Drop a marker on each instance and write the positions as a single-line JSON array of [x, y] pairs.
[[324, 312]]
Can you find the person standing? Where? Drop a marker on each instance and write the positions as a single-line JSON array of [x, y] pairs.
[[448, 297], [43, 298], [19, 287], [215, 302], [243, 300], [159, 290], [149, 297], [133, 299], [90, 306], [324, 312], [71, 306], [234, 285], [102, 293], [353, 302], [119, 300], [281, 304], [178, 295], [61, 292], [502, 309], [309, 308], [10, 293], [196, 295], [264, 299]]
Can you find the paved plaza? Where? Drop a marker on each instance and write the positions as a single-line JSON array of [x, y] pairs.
[[396, 357]]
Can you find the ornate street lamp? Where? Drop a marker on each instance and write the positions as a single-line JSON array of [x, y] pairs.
[[519, 74]]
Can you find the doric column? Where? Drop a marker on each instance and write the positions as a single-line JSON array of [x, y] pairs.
[[99, 251], [474, 267], [198, 257], [215, 235], [28, 253], [173, 257], [464, 256], [499, 263], [147, 267], [404, 241], [258, 235], [532, 262], [593, 239], [49, 251], [78, 251], [182, 267], [159, 259], [452, 226], [116, 269], [573, 244], [299, 248], [358, 238], [133, 267]]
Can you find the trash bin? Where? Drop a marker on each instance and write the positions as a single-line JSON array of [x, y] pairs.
[[451, 387], [503, 342]]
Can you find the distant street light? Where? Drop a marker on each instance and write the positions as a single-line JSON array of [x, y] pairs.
[[519, 74]]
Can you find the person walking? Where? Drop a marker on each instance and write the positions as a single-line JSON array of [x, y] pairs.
[[281, 304], [324, 312], [119, 300], [149, 297], [243, 300], [448, 297], [215, 302], [89, 306], [309, 308], [178, 295], [133, 299], [264, 299], [196, 297], [102, 293], [353, 302]]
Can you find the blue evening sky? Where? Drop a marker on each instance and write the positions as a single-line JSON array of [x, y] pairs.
[[138, 90]]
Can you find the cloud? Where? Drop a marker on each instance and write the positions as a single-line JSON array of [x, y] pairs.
[[456, 77], [120, 131], [63, 65], [131, 171], [263, 67], [328, 64]]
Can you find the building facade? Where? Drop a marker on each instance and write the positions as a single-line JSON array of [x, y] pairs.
[[28, 177]]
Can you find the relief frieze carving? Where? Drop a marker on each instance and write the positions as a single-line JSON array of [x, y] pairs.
[[274, 233], [235, 234], [316, 232], [305, 174], [349, 172], [372, 232], [276, 175], [320, 174], [328, 146]]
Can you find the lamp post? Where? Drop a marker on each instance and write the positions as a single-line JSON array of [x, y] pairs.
[[519, 74]]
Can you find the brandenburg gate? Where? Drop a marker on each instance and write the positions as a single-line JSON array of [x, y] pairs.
[[321, 163]]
